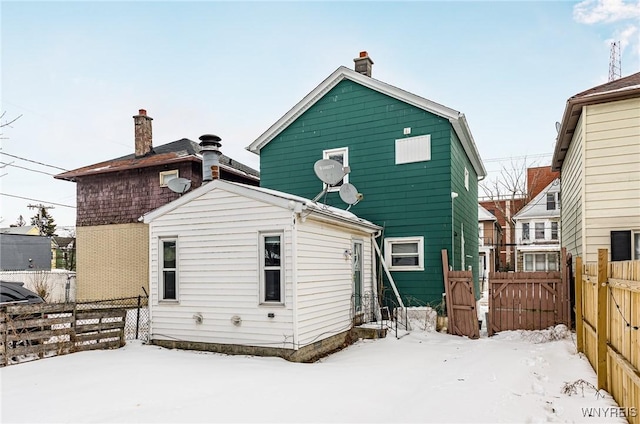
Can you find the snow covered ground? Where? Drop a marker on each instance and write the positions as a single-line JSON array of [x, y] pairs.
[[515, 377]]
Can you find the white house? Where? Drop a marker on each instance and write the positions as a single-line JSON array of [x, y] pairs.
[[538, 231], [242, 269]]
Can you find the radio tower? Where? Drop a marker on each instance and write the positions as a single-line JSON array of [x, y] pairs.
[[615, 63]]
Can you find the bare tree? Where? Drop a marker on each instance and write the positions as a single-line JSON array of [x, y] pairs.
[[7, 123]]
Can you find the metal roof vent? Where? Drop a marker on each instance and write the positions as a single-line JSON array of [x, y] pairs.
[[210, 150]]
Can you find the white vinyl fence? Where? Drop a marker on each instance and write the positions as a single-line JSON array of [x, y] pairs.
[[59, 284]]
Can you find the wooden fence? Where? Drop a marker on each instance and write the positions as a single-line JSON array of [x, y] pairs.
[[607, 327], [460, 298], [31, 332], [528, 300]]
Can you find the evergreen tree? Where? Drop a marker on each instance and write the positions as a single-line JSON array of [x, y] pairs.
[[44, 222]]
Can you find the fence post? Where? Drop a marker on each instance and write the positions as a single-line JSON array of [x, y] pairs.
[[3, 321], [579, 322], [137, 317], [601, 328]]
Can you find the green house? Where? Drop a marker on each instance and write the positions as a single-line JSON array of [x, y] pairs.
[[414, 161]]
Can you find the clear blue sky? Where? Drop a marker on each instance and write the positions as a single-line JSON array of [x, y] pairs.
[[78, 71]]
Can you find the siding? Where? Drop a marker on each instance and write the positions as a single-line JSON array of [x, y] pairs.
[[115, 261], [571, 183], [122, 197], [612, 172], [410, 199], [324, 277], [465, 209], [218, 272]]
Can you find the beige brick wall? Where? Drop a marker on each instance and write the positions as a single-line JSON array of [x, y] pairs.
[[112, 261]]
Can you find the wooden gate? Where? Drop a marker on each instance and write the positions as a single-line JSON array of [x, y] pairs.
[[460, 298], [528, 300]]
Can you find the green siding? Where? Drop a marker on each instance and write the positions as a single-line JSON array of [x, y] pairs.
[[408, 199]]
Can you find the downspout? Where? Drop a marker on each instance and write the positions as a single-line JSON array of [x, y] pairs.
[[296, 210]]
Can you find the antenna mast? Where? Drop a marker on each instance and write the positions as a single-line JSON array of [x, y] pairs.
[[615, 62]]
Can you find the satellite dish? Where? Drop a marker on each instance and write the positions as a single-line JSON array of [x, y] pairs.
[[557, 127], [349, 194], [330, 171], [179, 185]]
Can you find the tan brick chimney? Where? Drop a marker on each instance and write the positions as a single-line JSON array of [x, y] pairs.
[[142, 130], [363, 64]]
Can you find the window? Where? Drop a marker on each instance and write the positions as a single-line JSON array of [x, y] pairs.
[[539, 230], [466, 178], [554, 231], [413, 149], [541, 261], [166, 176], [271, 281], [528, 262], [168, 269], [636, 243], [553, 201], [340, 155], [525, 231], [404, 253]]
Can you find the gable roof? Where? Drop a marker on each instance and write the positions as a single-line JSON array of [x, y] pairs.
[[27, 230], [183, 150], [537, 207], [485, 215], [457, 119], [620, 89], [273, 197]]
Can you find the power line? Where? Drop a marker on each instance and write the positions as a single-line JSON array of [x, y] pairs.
[[539, 156], [28, 169], [36, 200], [32, 161]]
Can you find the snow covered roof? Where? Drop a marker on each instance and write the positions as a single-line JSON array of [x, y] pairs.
[[274, 197]]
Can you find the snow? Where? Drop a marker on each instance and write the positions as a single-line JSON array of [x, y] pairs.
[[424, 376]]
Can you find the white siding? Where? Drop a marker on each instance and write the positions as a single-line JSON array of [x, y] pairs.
[[218, 272], [611, 172], [325, 281], [571, 182]]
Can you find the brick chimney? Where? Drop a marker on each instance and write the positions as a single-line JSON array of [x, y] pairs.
[[142, 130], [210, 150], [363, 64]]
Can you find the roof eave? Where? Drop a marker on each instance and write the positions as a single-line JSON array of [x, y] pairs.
[[571, 115]]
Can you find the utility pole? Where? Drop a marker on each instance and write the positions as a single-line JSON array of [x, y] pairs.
[[40, 207]]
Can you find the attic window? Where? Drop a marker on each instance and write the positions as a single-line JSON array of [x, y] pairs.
[[166, 176]]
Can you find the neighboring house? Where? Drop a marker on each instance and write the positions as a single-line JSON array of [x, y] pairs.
[[504, 209], [19, 252], [489, 236], [112, 253], [25, 230], [414, 160], [538, 231], [63, 253], [598, 155], [242, 269]]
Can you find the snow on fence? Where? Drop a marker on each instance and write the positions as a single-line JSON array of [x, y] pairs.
[[608, 326], [59, 284], [30, 332]]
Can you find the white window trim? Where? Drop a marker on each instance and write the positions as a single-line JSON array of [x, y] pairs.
[[345, 162], [466, 178], [165, 174], [389, 241], [262, 269], [161, 270]]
